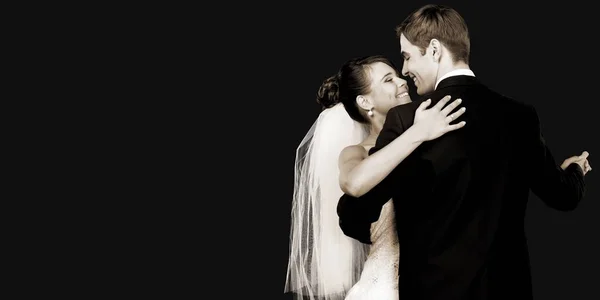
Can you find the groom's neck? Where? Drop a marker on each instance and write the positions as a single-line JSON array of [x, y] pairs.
[[446, 68]]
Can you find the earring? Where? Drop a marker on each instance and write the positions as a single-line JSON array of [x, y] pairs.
[[370, 112]]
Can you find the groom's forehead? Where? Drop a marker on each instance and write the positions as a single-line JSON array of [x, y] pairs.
[[406, 53], [405, 46]]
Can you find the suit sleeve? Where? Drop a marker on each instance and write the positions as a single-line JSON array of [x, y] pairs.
[[393, 127], [357, 214], [557, 188]]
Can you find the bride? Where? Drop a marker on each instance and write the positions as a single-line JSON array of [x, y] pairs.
[[333, 159]]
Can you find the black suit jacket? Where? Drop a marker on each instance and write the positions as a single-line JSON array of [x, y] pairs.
[[460, 200]]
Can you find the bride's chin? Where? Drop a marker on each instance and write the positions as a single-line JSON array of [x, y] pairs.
[[405, 100]]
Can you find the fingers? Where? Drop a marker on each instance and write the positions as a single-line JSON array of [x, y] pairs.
[[455, 115], [456, 126], [583, 162], [451, 107], [442, 102], [424, 104], [566, 163], [570, 160]]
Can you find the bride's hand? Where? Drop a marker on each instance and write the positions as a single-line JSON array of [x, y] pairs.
[[435, 122]]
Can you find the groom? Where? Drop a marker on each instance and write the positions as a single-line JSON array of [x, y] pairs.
[[460, 200]]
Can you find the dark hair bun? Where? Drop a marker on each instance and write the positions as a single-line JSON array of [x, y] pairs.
[[328, 94]]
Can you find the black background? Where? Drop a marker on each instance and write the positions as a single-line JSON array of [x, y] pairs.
[[543, 55]]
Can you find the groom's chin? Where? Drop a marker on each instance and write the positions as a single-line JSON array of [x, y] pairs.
[[423, 91]]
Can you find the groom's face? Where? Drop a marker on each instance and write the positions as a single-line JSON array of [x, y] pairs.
[[420, 67]]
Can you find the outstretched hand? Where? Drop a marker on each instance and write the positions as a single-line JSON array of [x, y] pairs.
[[435, 122], [581, 160]]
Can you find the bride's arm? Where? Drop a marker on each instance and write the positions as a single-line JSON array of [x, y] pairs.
[[360, 172]]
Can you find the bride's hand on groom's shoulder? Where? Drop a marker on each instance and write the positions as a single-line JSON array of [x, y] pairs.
[[581, 160], [435, 121]]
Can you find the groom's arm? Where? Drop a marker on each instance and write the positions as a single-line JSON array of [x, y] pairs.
[[357, 214], [558, 188]]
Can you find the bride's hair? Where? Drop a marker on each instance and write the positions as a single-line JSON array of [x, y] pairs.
[[351, 80]]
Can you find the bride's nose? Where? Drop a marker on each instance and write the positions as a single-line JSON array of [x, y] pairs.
[[400, 82]]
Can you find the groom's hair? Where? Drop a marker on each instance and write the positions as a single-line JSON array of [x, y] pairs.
[[437, 22]]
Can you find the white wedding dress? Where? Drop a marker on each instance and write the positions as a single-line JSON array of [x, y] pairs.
[[379, 278]]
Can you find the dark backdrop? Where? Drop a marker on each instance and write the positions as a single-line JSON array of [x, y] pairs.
[[543, 55]]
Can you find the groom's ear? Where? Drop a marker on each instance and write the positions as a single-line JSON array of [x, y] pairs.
[[436, 50]]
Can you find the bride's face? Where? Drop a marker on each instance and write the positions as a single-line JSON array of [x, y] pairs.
[[387, 89]]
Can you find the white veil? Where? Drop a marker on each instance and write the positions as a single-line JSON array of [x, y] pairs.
[[324, 263]]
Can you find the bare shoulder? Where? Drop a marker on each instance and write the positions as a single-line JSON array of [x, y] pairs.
[[354, 152]]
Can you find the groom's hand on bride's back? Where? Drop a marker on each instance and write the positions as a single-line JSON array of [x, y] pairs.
[[580, 160]]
